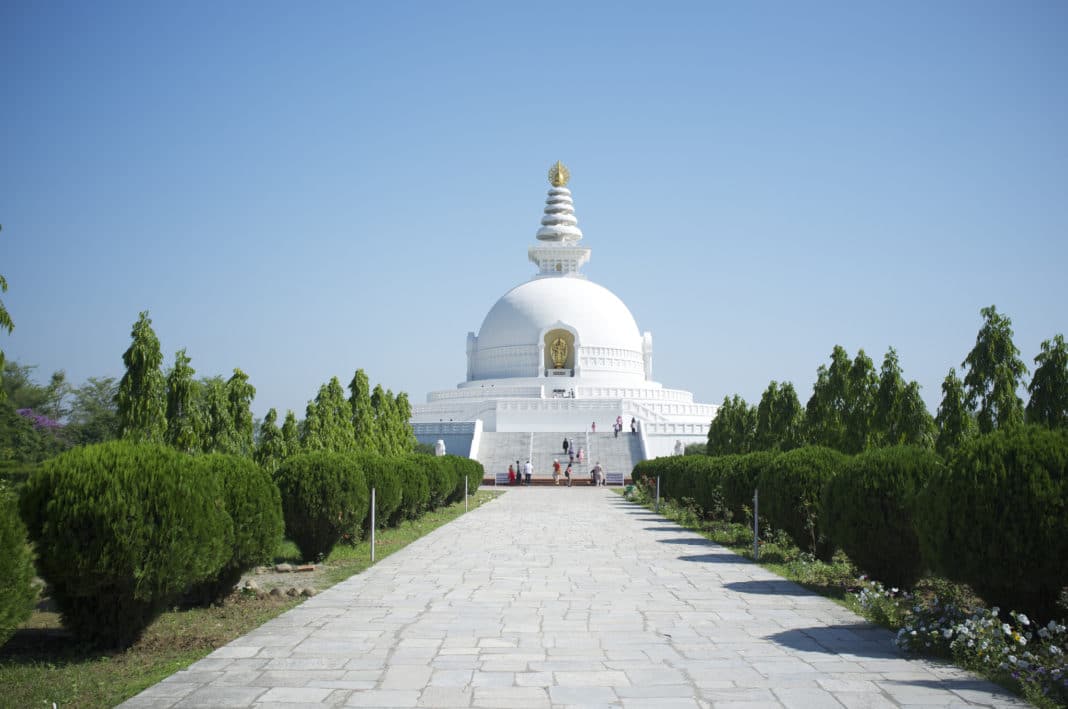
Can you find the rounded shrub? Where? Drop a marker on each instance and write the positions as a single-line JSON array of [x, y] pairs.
[[325, 498], [17, 593], [791, 495], [442, 479], [122, 530], [996, 518], [381, 473], [464, 470], [415, 489], [868, 511], [739, 479], [255, 508]]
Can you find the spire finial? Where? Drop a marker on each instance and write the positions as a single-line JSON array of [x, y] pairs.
[[559, 174]]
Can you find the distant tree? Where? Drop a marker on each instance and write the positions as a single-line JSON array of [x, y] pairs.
[[94, 416], [733, 430], [363, 415], [995, 373], [861, 387], [954, 422], [913, 425], [1049, 386], [311, 430], [6, 323], [404, 413], [335, 417], [57, 392], [380, 404], [780, 419], [219, 434], [290, 435], [183, 421], [888, 401], [825, 412], [239, 396], [142, 390], [271, 450], [20, 388]]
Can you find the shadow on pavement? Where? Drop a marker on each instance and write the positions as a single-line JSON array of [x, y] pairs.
[[688, 541], [724, 558], [859, 639], [770, 587]]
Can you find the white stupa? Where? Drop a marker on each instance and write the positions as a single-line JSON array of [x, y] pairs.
[[560, 355]]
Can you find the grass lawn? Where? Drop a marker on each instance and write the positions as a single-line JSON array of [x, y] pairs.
[[42, 664]]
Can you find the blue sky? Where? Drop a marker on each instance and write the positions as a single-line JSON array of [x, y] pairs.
[[300, 190]]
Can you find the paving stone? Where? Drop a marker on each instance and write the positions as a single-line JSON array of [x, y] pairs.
[[576, 599]]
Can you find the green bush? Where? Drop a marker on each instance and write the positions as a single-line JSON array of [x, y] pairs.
[[997, 518], [442, 479], [739, 479], [255, 508], [464, 470], [791, 495], [415, 489], [17, 593], [868, 511], [381, 473], [325, 499], [122, 530]]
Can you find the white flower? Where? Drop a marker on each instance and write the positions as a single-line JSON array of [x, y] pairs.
[[1023, 619], [1043, 633], [1012, 659], [1006, 629], [947, 633], [1054, 650]]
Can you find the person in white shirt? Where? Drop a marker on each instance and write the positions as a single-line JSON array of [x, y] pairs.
[[528, 471]]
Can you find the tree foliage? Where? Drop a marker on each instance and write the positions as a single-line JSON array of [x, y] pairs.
[[239, 396], [734, 428], [954, 421], [826, 409], [183, 420], [290, 435], [1048, 405], [861, 387], [779, 419], [995, 373], [142, 390], [334, 418], [271, 450], [363, 415], [219, 435], [900, 416], [94, 415]]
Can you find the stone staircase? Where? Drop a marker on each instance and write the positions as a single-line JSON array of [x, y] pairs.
[[497, 451], [616, 455]]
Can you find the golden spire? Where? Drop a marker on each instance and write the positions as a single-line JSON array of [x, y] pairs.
[[559, 175]]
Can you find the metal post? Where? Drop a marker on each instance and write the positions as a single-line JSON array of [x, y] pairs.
[[658, 493], [465, 493], [756, 524], [372, 525]]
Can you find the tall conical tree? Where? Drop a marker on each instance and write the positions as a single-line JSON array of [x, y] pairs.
[[290, 435], [404, 413], [779, 419], [142, 390], [995, 373], [311, 430], [380, 406], [363, 415], [825, 412], [183, 427], [239, 396], [219, 435], [1049, 386], [271, 449], [913, 423], [887, 401], [6, 323], [335, 417], [860, 403], [954, 421], [734, 428]]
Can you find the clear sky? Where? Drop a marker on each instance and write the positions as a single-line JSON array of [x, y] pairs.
[[303, 189]]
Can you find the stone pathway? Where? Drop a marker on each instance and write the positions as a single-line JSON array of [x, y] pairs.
[[556, 598]]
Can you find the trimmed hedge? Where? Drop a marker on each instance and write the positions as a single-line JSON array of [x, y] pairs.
[[696, 478], [442, 479], [381, 474], [17, 593], [791, 495], [868, 511], [464, 469], [122, 530], [324, 498], [415, 489], [739, 479], [255, 507], [997, 518]]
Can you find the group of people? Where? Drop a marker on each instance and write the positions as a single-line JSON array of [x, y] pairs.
[[517, 473], [617, 427]]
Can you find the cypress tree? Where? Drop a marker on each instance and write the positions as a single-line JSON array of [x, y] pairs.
[[1049, 386], [826, 409], [335, 417], [311, 438], [995, 372], [734, 428], [219, 436], [183, 426], [914, 425], [363, 415], [239, 396], [861, 387], [404, 414], [380, 406], [142, 390], [271, 450], [290, 435], [888, 401], [954, 421]]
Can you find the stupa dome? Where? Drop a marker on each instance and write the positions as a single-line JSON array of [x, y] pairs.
[[595, 314]]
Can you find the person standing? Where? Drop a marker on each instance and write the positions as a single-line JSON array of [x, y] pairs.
[[597, 475], [567, 474], [633, 425], [556, 472], [565, 445], [511, 475], [528, 471], [593, 427]]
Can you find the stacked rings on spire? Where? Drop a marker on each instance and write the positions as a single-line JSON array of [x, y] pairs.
[[559, 222]]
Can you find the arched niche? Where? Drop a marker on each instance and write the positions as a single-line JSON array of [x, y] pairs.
[[559, 349]]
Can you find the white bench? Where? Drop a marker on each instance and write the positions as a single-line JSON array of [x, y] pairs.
[[613, 479], [500, 479]]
